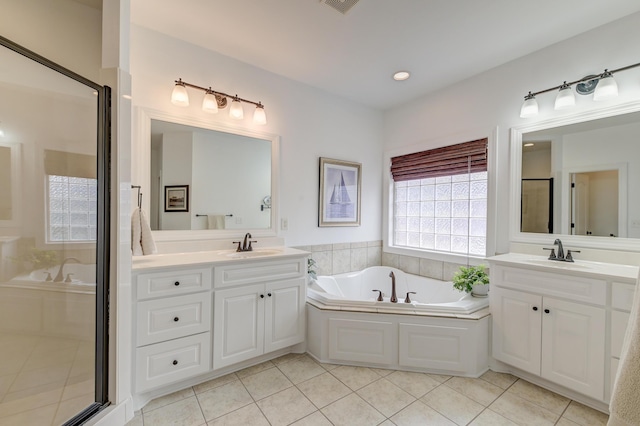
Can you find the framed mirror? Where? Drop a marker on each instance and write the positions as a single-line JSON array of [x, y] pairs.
[[203, 180], [572, 177]]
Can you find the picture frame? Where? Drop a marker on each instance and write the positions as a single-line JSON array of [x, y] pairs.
[[340, 193], [176, 198]]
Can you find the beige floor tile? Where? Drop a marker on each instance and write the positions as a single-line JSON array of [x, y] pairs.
[[417, 384], [286, 358], [352, 411], [479, 390], [184, 413], [439, 377], [522, 411], [387, 423], [314, 419], [584, 415], [453, 405], [161, 401], [249, 415], [301, 369], [491, 418], [328, 367], [69, 408], [38, 416], [355, 377], [86, 387], [136, 421], [324, 389], [502, 380], [546, 399], [286, 407], [5, 384], [565, 422], [38, 360], [22, 394], [266, 383], [29, 402], [255, 369], [40, 377], [382, 372], [419, 413], [214, 383], [223, 399], [385, 397]]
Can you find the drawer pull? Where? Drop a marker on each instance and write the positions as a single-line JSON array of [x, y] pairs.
[[269, 294], [546, 311], [177, 283], [175, 362], [535, 308], [176, 319], [262, 296]]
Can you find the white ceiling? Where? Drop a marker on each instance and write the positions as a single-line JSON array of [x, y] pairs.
[[440, 42]]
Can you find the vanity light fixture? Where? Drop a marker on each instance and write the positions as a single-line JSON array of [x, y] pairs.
[[604, 84], [214, 101]]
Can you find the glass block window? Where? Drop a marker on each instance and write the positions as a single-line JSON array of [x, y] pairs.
[[72, 209], [447, 213]]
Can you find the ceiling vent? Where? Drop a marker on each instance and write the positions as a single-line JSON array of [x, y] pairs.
[[342, 6]]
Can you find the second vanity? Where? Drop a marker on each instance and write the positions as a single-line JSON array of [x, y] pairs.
[[200, 315], [561, 324]]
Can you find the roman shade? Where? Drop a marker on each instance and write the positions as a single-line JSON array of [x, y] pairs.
[[467, 157]]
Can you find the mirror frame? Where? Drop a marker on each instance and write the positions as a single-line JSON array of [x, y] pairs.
[[143, 165], [515, 235]]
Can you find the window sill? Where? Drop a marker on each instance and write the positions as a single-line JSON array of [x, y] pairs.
[[462, 259]]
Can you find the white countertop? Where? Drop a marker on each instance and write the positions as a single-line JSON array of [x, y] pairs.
[[578, 267], [212, 257]]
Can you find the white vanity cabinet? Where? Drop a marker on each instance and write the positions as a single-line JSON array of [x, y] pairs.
[[258, 308], [555, 320]]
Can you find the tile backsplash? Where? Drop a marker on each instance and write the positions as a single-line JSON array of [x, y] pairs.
[[334, 259]]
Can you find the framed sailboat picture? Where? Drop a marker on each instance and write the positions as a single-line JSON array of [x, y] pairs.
[[340, 188]]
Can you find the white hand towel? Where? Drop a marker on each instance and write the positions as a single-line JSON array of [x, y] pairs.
[[215, 221], [142, 242], [625, 398]]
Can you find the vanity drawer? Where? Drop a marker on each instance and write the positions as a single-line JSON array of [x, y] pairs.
[[230, 275], [576, 288], [160, 284], [174, 317], [622, 296], [172, 361]]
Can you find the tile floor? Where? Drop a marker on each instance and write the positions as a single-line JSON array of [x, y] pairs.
[[44, 380], [296, 390]]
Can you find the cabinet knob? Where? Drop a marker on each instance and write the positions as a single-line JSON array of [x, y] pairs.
[[175, 362], [546, 311], [177, 283], [176, 319], [269, 294], [535, 308], [262, 296]]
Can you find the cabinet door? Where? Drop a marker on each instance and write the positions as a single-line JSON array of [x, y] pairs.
[[573, 337], [516, 328], [284, 314], [238, 324]]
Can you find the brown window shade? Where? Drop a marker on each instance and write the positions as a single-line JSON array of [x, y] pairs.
[[60, 163], [450, 160]]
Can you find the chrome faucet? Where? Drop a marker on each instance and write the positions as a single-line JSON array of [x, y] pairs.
[[394, 298], [560, 255], [246, 243], [60, 275]]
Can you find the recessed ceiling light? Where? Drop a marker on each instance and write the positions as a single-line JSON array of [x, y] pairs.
[[401, 75], [529, 144]]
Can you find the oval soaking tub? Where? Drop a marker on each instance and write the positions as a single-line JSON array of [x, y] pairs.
[[360, 290]]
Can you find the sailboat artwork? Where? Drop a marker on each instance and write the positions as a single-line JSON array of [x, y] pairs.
[[340, 193]]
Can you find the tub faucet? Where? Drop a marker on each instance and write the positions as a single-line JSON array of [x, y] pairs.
[[394, 298], [60, 275]]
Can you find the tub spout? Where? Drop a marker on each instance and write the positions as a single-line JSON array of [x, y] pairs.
[[394, 298], [60, 275]]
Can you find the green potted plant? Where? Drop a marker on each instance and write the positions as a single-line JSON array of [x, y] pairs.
[[311, 269], [472, 279]]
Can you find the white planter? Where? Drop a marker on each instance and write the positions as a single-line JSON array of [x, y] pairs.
[[480, 290]]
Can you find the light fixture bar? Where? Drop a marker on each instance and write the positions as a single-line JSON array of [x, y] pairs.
[[232, 97]]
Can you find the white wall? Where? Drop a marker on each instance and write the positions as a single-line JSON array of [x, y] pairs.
[[310, 122], [177, 151], [494, 98]]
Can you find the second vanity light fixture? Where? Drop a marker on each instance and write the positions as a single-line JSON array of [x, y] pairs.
[[214, 100], [602, 86]]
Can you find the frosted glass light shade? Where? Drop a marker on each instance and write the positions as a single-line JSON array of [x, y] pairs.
[[235, 110], [607, 88], [210, 103], [529, 107], [565, 98], [259, 116], [179, 96]]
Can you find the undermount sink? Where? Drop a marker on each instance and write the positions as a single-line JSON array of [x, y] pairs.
[[557, 264], [254, 253]]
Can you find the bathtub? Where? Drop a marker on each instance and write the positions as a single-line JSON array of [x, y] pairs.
[[357, 289], [441, 331], [81, 279]]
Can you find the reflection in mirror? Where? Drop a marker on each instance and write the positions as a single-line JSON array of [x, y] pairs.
[[573, 178], [228, 178]]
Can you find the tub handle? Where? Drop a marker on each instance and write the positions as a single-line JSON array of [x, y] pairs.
[[379, 299], [407, 299]]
